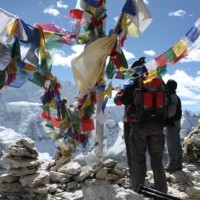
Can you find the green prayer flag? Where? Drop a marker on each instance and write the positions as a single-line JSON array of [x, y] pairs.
[[161, 71], [110, 70], [170, 55]]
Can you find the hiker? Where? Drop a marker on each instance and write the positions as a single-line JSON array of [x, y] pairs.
[[173, 127], [146, 133], [124, 97]]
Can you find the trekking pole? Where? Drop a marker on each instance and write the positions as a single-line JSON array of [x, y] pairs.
[[155, 194]]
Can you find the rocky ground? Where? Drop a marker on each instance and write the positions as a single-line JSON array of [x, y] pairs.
[[25, 177]]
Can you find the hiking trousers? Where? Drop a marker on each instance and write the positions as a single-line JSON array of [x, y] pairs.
[[174, 146], [147, 136], [127, 127]]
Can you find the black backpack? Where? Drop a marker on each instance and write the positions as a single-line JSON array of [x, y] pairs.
[[151, 101]]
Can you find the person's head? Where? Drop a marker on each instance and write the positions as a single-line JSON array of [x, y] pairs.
[[137, 63], [171, 86]]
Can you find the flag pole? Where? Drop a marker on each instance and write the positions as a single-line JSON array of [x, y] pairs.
[[100, 127]]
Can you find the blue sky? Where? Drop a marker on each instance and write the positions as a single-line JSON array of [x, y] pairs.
[[171, 21]]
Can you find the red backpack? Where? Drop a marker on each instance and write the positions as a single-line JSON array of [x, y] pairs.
[[151, 100]]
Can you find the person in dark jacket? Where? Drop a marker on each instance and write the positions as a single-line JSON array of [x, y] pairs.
[[173, 127], [125, 97], [146, 136]]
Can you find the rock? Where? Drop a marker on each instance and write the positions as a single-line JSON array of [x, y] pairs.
[[41, 189], [38, 179], [72, 185], [59, 177], [102, 173], [119, 170], [53, 188], [72, 168], [179, 177], [102, 190], [27, 142], [111, 177], [109, 163], [22, 152], [77, 195], [86, 171], [12, 188], [14, 162], [6, 178], [22, 171]]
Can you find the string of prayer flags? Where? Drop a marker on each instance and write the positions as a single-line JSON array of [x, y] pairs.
[[137, 22]]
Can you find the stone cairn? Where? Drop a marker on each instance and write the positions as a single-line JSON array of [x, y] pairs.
[[23, 179]]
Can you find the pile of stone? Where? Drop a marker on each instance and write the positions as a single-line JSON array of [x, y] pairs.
[[192, 146], [76, 180], [23, 179]]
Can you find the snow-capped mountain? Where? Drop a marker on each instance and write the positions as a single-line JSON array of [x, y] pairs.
[[20, 116]]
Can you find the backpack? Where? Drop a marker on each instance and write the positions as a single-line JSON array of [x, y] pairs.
[[150, 101]]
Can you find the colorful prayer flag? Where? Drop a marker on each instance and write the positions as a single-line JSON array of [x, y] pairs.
[[134, 25], [180, 47], [88, 66]]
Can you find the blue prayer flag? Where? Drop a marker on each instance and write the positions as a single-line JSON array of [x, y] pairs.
[[129, 7], [193, 34]]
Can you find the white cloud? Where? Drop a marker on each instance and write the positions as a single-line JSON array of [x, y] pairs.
[[60, 4], [116, 18], [62, 59], [178, 13], [51, 11], [150, 52], [188, 87], [146, 1], [193, 56], [128, 54]]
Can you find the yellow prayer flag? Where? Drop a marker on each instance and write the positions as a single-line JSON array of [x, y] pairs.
[[151, 75], [29, 68], [86, 103], [102, 95], [12, 28], [109, 90], [91, 9], [134, 25], [12, 67], [180, 47], [88, 66]]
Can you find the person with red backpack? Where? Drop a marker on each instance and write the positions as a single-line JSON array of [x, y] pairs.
[[173, 127], [149, 110]]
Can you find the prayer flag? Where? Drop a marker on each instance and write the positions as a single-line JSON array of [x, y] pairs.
[[151, 65], [170, 55], [88, 66], [193, 34], [110, 69], [161, 60], [129, 7], [136, 24], [179, 48]]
